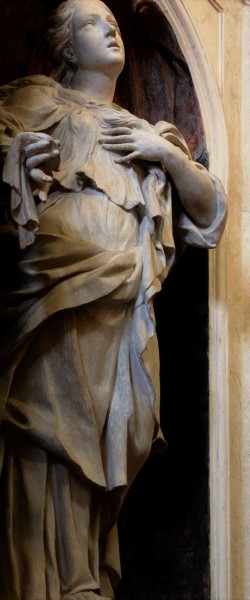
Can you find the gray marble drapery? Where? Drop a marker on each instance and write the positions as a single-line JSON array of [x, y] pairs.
[[80, 370]]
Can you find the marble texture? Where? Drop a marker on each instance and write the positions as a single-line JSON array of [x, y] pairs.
[[96, 246]]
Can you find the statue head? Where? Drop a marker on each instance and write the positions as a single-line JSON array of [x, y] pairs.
[[84, 35]]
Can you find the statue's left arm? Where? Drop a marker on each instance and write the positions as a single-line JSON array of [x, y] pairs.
[[195, 187]]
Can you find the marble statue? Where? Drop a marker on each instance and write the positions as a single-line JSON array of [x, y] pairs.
[[93, 234]]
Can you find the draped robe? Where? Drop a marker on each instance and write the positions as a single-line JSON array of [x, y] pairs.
[[80, 366]]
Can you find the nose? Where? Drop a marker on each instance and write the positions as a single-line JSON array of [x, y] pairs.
[[110, 29]]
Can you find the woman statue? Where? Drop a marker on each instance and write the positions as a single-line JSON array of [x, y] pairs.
[[79, 358]]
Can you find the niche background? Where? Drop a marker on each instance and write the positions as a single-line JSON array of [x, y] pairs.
[[164, 523]]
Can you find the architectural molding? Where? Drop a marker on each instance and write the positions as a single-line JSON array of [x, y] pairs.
[[210, 103], [216, 5], [221, 57]]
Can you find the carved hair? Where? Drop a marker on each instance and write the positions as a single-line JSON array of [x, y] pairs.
[[58, 36], [58, 41]]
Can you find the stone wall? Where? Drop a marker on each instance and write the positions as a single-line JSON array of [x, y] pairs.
[[224, 30], [214, 36]]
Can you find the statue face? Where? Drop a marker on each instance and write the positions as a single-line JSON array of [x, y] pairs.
[[96, 38]]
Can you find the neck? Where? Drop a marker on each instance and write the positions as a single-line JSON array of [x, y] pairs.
[[97, 86]]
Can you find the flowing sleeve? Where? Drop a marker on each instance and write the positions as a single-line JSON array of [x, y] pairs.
[[26, 105], [186, 232], [23, 208]]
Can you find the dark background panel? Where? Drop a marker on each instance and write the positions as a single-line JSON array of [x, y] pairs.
[[164, 524]]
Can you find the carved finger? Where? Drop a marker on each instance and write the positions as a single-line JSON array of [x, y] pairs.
[[37, 147], [105, 139], [42, 195], [40, 177], [129, 157], [119, 147], [33, 161], [117, 131]]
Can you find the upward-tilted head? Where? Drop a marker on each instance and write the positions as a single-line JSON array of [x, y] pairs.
[[85, 36]]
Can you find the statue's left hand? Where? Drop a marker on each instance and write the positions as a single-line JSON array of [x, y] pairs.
[[195, 188], [137, 144]]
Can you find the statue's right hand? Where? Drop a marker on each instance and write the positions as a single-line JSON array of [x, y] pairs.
[[39, 150]]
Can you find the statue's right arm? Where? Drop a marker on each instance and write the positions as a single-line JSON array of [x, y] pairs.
[[29, 164]]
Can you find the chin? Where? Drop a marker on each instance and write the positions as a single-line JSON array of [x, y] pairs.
[[114, 65]]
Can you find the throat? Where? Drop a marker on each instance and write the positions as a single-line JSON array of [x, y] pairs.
[[97, 86]]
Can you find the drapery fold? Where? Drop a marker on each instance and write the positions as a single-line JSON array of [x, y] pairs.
[[106, 235]]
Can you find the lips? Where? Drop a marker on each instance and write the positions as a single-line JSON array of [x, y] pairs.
[[113, 45]]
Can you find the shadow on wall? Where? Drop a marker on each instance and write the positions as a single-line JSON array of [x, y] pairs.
[[164, 524]]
